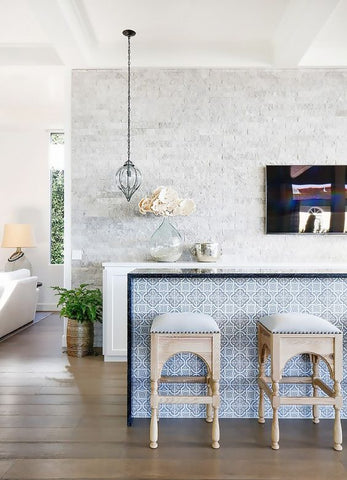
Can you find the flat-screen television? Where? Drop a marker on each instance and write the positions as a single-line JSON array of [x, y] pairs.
[[306, 199]]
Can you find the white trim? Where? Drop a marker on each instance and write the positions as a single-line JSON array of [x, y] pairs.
[[47, 307], [67, 183], [111, 358], [298, 29], [67, 191], [225, 263]]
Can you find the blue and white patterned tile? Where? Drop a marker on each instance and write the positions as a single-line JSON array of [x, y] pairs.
[[236, 304]]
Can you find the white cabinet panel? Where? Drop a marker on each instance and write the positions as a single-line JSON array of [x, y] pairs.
[[115, 311]]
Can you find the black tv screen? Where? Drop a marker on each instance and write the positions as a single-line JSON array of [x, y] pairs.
[[306, 199]]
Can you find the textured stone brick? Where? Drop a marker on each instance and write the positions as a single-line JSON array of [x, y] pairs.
[[209, 133]]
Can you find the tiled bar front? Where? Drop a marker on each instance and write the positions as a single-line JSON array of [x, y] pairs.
[[235, 301]]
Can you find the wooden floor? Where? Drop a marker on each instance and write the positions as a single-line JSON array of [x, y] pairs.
[[64, 418]]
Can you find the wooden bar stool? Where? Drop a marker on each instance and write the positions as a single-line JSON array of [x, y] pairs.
[[196, 333], [285, 335]]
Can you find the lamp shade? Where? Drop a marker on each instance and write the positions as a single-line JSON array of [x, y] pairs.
[[18, 235]]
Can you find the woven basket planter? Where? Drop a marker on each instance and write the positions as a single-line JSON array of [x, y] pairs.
[[79, 338]]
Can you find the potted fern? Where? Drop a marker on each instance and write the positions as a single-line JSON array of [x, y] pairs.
[[82, 307]]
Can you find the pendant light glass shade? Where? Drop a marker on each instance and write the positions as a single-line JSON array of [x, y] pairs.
[[128, 177]]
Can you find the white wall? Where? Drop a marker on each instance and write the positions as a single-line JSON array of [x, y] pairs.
[[24, 198]]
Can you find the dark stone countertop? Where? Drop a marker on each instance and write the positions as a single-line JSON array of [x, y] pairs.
[[226, 273]]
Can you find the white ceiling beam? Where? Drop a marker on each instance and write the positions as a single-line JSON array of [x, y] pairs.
[[299, 26], [14, 54], [67, 28]]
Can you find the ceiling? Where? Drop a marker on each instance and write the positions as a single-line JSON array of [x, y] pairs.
[[40, 40], [179, 33]]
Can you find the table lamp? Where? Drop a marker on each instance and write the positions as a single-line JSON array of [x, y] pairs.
[[18, 235]]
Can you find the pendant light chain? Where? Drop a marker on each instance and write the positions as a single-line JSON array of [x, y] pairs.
[[128, 177], [128, 103]]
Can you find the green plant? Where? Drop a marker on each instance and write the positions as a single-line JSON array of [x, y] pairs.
[[57, 216], [80, 303]]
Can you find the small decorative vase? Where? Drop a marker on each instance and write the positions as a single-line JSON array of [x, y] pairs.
[[166, 243], [79, 338]]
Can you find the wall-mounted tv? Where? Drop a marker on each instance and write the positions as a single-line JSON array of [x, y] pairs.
[[306, 199]]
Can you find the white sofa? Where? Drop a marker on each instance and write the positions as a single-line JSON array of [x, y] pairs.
[[18, 299]]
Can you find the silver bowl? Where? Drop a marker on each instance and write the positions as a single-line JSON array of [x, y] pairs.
[[207, 252]]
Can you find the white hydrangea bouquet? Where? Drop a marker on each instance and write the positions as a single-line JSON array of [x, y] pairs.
[[165, 202]]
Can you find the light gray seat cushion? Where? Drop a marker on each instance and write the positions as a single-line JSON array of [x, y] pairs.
[[297, 323], [184, 322]]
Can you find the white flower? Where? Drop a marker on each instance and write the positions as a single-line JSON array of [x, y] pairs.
[[145, 205], [185, 207], [166, 202], [156, 193], [158, 208], [168, 195]]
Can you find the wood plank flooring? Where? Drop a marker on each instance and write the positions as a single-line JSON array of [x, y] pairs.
[[65, 418]]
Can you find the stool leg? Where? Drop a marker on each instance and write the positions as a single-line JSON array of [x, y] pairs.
[[153, 431], [209, 416], [261, 418], [275, 430], [215, 423], [337, 422], [315, 374]]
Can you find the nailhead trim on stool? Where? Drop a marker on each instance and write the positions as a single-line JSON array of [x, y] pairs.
[[285, 335], [196, 333]]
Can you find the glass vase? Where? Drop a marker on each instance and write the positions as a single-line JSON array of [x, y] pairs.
[[166, 243]]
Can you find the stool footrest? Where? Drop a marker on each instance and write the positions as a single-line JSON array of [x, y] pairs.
[[184, 399], [331, 400], [262, 384], [323, 386], [317, 382], [307, 400], [182, 379], [290, 380]]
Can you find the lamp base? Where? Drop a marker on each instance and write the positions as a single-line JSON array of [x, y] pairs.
[[17, 261]]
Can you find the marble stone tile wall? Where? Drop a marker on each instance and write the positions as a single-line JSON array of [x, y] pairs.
[[209, 133]]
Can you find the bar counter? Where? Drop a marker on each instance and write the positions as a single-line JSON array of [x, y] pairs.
[[235, 300]]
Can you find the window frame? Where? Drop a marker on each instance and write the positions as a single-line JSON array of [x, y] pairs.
[[50, 133]]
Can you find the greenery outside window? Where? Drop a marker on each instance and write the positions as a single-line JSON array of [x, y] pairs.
[[56, 156]]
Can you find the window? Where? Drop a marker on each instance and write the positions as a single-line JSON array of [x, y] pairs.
[[56, 159]]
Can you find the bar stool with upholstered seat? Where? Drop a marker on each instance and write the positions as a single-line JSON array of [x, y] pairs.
[[196, 333], [285, 335]]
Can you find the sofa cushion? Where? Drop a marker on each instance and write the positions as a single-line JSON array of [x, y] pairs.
[[15, 275]]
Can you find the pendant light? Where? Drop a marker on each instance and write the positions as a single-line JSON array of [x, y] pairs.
[[128, 177]]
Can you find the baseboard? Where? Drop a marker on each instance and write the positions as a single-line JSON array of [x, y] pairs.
[[113, 358], [47, 307]]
